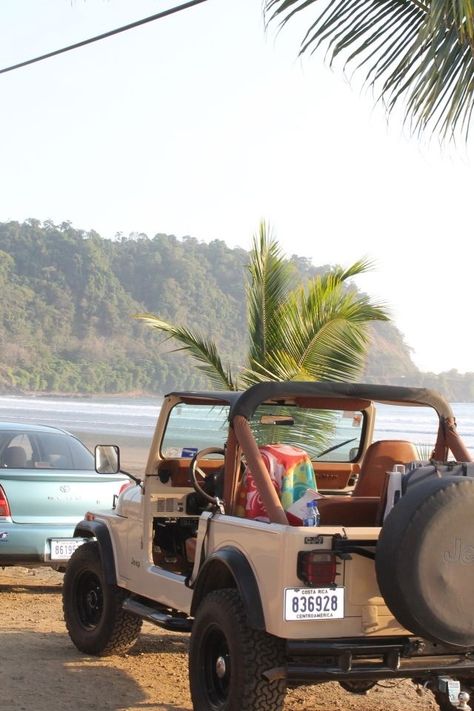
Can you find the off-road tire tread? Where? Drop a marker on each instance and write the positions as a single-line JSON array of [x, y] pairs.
[[122, 628], [126, 627], [262, 652]]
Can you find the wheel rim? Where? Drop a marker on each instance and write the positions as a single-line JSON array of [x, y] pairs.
[[216, 666], [89, 599]]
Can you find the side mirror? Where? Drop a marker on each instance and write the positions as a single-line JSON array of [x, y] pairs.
[[107, 459]]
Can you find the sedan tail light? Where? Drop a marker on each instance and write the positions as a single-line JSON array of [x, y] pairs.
[[4, 505], [124, 486], [317, 570]]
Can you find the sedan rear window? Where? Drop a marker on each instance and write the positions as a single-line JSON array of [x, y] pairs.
[[43, 450]]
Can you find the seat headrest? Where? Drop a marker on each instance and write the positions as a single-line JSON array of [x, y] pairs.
[[14, 457]]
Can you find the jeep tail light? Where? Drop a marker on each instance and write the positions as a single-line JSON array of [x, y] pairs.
[[317, 570], [4, 505]]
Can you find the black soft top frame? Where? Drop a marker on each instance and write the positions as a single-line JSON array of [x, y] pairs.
[[245, 403]]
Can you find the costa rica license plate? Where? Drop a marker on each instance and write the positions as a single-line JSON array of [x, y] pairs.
[[314, 603], [63, 548]]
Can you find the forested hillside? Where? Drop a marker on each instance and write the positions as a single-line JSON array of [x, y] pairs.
[[69, 297]]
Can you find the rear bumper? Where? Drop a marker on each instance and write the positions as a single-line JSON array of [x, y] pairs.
[[390, 658], [22, 544]]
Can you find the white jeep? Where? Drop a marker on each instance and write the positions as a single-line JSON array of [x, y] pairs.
[[213, 542]]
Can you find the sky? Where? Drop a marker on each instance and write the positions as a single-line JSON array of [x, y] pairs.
[[206, 122]]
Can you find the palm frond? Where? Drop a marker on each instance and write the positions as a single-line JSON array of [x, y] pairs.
[[416, 52], [204, 351], [313, 332], [267, 288], [324, 334]]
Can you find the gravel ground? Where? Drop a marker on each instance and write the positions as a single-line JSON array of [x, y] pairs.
[[41, 670]]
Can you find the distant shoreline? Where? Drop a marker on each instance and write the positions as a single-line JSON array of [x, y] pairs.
[[134, 394]]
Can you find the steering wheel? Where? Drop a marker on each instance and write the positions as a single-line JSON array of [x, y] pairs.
[[195, 470]]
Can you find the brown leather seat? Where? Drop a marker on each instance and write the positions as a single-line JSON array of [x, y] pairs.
[[380, 458], [365, 506]]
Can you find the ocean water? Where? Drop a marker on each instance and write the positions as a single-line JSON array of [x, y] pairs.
[[420, 424], [114, 420], [122, 417]]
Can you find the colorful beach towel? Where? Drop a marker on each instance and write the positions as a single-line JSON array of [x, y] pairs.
[[292, 473]]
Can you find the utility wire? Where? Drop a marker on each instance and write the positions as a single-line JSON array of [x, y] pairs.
[[158, 16]]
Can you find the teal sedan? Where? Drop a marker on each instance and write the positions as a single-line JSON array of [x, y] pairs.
[[47, 484]]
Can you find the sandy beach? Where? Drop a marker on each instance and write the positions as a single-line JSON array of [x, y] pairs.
[[42, 670]]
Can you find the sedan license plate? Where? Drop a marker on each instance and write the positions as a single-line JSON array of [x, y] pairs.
[[63, 548], [314, 603]]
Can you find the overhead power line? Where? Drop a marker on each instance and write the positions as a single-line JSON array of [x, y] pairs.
[[152, 18]]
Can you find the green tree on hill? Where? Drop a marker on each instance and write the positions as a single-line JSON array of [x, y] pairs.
[[417, 51], [316, 331]]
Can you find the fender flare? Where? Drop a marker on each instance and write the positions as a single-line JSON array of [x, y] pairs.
[[228, 567], [99, 531]]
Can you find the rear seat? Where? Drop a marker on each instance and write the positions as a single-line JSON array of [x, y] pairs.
[[366, 506]]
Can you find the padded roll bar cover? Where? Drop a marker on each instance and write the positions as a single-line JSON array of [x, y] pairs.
[[249, 400], [260, 473]]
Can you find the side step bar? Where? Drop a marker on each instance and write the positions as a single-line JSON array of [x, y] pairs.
[[157, 616]]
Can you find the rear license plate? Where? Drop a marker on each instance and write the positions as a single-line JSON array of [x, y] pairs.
[[63, 548], [314, 603]]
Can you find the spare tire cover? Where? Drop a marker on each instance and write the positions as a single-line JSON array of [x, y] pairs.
[[425, 561]]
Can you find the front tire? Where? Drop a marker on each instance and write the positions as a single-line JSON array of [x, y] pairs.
[[227, 659], [96, 622]]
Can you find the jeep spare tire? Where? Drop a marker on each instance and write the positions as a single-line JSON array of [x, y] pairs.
[[425, 560]]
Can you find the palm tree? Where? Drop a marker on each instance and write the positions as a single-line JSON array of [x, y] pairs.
[[419, 51], [314, 332]]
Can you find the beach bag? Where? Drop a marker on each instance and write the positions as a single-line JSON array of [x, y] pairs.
[[292, 474]]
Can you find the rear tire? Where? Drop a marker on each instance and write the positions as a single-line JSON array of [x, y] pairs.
[[227, 659], [96, 622]]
